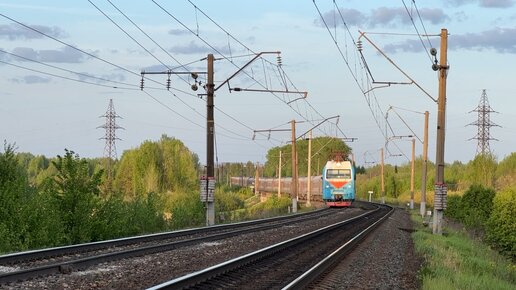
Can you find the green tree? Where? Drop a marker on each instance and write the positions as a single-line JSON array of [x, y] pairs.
[[322, 150], [506, 172], [477, 204], [76, 193], [13, 188], [482, 170], [501, 229]]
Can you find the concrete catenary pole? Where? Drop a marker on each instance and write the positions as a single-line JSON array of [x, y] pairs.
[[210, 127], [422, 209], [383, 181], [412, 174], [309, 174], [293, 191], [279, 175], [440, 186]]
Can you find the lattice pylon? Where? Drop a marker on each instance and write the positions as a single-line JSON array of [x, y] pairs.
[[110, 148], [483, 124]]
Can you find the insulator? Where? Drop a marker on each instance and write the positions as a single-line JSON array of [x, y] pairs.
[[141, 84], [168, 84], [359, 45], [278, 59]]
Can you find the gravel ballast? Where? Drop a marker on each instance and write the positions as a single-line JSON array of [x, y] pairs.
[[385, 260]]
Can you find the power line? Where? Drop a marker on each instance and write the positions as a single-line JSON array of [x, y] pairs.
[[66, 78], [149, 52], [417, 31], [73, 47], [70, 71], [346, 61], [218, 51]]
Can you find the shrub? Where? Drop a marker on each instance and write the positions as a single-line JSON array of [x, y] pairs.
[[501, 225], [454, 207], [477, 204]]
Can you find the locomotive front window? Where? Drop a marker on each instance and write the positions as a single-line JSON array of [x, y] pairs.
[[338, 173]]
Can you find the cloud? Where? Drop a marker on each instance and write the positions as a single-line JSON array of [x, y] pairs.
[[193, 48], [383, 16], [14, 32], [31, 79], [178, 32], [64, 55], [482, 3], [84, 76], [410, 45], [501, 40], [435, 16], [333, 18], [496, 3]]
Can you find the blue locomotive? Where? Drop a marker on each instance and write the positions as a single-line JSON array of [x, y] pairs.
[[338, 183]]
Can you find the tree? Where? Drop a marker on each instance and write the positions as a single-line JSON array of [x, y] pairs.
[[322, 149], [76, 193]]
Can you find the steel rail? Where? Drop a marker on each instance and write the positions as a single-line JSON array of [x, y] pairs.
[[325, 264], [72, 249], [192, 279], [69, 266]]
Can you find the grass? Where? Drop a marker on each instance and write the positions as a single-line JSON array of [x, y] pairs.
[[454, 261]]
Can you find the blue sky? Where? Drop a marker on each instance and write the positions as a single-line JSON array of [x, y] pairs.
[[43, 110]]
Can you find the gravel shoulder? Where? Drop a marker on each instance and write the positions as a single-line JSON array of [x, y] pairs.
[[384, 260]]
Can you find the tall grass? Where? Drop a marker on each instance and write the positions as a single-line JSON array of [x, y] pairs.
[[454, 261]]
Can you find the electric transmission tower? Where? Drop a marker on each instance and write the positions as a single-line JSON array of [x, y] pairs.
[[110, 137], [483, 125]]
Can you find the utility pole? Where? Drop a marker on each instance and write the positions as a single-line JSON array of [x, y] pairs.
[[383, 182], [279, 175], [210, 127], [309, 175], [422, 209], [293, 186], [440, 188], [412, 174], [257, 178]]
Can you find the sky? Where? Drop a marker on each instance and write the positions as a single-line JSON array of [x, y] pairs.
[[61, 62]]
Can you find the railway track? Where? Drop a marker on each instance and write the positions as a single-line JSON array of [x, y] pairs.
[[69, 258], [291, 264]]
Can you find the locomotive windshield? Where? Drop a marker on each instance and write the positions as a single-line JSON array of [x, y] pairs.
[[338, 173]]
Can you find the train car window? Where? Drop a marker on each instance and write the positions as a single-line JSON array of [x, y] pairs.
[[338, 173]]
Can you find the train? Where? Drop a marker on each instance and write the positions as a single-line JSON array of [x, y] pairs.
[[338, 183], [335, 187]]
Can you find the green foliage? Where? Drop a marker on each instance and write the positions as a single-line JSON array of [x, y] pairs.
[[477, 204], [185, 208], [323, 146], [482, 169], [161, 166], [501, 225], [456, 262], [506, 172], [27, 219], [454, 208], [272, 206], [12, 195], [75, 192]]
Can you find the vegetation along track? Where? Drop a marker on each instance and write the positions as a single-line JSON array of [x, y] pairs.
[[30, 264], [277, 266]]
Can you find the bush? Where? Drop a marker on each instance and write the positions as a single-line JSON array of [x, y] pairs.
[[501, 225], [477, 204], [454, 207]]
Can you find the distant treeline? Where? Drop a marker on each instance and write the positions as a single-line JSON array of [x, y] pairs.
[[484, 170]]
